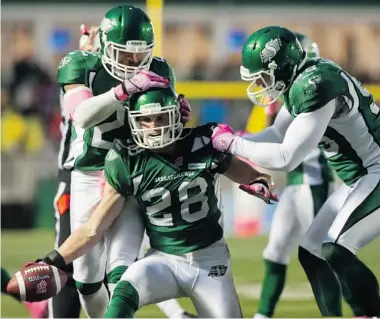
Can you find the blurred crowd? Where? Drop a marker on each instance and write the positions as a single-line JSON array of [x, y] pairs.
[[31, 113]]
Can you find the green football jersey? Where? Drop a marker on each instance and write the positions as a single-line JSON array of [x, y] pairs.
[[314, 170], [177, 193], [351, 140], [90, 146]]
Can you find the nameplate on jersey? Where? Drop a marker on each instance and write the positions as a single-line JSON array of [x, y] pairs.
[[196, 166]]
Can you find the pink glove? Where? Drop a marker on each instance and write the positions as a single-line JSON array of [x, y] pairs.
[[140, 82], [89, 40], [184, 108], [261, 190], [222, 137]]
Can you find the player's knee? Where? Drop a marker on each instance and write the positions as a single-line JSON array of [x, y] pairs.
[[114, 276], [303, 256], [88, 289], [335, 254]]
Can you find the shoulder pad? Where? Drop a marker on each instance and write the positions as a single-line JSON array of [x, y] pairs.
[[75, 66]]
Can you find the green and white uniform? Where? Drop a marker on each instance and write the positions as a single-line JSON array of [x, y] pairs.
[[178, 195], [350, 142], [86, 159], [90, 146], [308, 187]]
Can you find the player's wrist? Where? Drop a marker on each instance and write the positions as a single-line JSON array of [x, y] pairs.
[[120, 92], [54, 258]]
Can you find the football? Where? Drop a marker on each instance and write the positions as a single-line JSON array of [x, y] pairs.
[[37, 282]]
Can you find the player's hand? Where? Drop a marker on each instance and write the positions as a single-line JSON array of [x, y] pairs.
[[222, 137], [53, 258], [88, 41], [140, 82], [262, 187], [184, 108]]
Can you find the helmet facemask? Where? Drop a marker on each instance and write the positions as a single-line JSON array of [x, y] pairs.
[[264, 89], [115, 64], [160, 136]]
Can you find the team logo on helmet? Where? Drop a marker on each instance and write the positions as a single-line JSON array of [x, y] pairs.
[[270, 50], [106, 25]]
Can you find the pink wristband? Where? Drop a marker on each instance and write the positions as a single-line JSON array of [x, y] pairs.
[[271, 109], [119, 93]]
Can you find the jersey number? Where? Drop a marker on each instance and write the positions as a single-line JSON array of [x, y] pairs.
[[192, 199], [97, 138]]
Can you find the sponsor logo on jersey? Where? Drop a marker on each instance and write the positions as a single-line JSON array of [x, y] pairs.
[[195, 166], [270, 50], [217, 271], [178, 161], [174, 176]]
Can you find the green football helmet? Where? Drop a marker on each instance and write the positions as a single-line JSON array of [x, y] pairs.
[[126, 41], [155, 101], [310, 47], [271, 58]]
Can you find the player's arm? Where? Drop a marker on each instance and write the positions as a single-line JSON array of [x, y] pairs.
[[242, 171], [86, 236], [251, 180], [276, 132], [79, 102], [303, 135]]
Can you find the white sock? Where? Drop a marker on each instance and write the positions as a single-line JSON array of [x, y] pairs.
[[259, 316], [95, 305], [171, 308]]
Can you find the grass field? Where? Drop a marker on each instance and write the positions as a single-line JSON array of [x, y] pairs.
[[17, 247]]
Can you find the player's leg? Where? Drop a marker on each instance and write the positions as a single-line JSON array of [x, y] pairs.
[[292, 217], [206, 277], [171, 308], [324, 282], [149, 280], [89, 269], [357, 224], [123, 242], [66, 304]]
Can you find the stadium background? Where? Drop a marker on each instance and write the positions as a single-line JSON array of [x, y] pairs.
[[202, 40]]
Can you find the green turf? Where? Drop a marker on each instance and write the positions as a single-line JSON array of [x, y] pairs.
[[18, 247]]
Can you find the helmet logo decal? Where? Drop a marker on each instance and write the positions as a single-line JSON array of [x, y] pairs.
[[106, 25], [270, 50]]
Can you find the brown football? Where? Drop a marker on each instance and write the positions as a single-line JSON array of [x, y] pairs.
[[37, 282]]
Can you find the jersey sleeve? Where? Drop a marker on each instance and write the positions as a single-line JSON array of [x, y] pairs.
[[116, 171], [72, 69], [315, 89]]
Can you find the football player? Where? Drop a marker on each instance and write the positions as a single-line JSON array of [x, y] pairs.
[[308, 187], [325, 106], [173, 173], [95, 87], [66, 304]]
